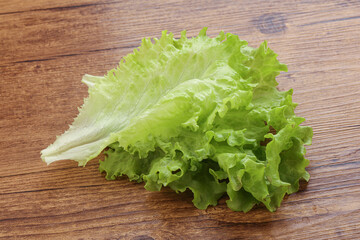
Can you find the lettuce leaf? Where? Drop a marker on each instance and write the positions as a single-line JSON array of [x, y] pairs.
[[197, 113]]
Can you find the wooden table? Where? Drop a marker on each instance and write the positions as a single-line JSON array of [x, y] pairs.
[[46, 47]]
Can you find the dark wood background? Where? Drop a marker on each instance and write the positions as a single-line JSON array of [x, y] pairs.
[[46, 47]]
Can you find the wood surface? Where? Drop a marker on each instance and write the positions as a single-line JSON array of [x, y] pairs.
[[46, 47]]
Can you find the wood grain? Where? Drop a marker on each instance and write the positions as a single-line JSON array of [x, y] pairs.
[[45, 48]]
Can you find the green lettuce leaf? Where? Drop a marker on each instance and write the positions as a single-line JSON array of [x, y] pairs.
[[197, 113]]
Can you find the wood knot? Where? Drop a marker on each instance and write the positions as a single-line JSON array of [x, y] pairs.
[[271, 23], [143, 237]]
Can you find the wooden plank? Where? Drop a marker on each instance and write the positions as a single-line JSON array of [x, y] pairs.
[[46, 46]]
